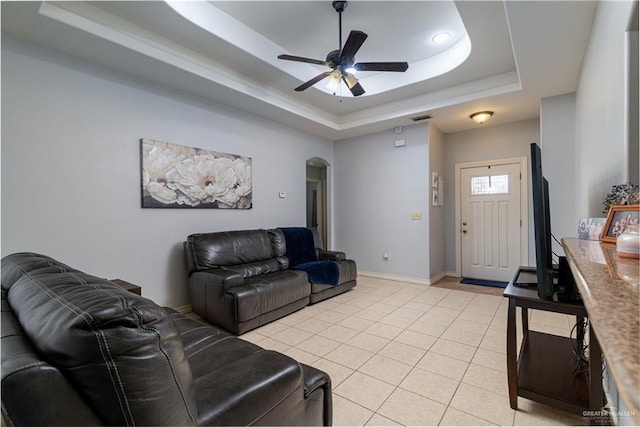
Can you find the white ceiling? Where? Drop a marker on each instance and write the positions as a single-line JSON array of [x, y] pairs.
[[502, 56]]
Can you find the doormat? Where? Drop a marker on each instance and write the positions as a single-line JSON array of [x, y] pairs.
[[482, 282]]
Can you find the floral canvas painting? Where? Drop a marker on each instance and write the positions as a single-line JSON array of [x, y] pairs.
[[176, 176]]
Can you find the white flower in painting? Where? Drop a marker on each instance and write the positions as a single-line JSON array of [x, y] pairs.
[[243, 173], [222, 180], [235, 190], [157, 161], [205, 179], [185, 178], [161, 193]]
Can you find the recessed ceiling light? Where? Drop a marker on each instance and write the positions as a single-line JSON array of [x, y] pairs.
[[441, 38]]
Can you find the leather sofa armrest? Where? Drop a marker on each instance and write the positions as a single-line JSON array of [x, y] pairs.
[[314, 379], [315, 382], [331, 255], [221, 276], [210, 298]]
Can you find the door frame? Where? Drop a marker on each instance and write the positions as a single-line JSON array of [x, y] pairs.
[[327, 195], [321, 197], [524, 206]]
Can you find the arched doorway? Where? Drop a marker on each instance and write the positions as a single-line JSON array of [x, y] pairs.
[[317, 200]]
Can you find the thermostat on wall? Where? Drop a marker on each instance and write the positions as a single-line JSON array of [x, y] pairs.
[[282, 194]]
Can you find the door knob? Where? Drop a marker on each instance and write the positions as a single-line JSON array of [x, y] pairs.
[[464, 223], [464, 231]]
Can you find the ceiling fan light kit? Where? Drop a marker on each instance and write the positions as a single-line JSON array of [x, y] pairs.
[[342, 61]]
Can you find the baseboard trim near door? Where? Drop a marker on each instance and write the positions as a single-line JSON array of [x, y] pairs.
[[415, 280], [438, 277]]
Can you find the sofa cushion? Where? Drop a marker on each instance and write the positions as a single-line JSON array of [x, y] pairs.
[[211, 250], [266, 292], [279, 246], [29, 382], [255, 268], [16, 265], [107, 341], [237, 382], [248, 388]]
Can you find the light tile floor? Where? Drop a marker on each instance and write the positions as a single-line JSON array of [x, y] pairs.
[[406, 354]]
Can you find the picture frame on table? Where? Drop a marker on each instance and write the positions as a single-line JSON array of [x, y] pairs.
[[618, 218], [590, 228]]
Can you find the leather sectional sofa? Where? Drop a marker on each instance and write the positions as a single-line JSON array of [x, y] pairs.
[[241, 280], [80, 350]]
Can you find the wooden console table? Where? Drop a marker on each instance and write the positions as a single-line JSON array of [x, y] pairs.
[[544, 368], [610, 292]]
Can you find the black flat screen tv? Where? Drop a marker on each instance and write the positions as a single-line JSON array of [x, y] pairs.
[[542, 226]]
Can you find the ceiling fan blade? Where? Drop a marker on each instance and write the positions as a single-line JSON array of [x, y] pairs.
[[313, 81], [301, 59], [354, 42], [381, 66]]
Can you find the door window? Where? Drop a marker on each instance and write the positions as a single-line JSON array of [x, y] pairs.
[[489, 184]]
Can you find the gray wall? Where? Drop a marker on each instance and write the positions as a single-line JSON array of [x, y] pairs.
[[377, 187], [484, 143], [601, 145], [557, 140], [71, 168]]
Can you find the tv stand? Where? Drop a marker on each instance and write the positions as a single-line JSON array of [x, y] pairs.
[[543, 369], [564, 286], [526, 278]]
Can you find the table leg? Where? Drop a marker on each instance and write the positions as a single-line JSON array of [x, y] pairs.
[[525, 322], [596, 392], [580, 330], [512, 354]]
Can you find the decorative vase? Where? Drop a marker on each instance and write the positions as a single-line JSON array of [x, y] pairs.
[[628, 243]]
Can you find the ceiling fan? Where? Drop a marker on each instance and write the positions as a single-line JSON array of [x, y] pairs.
[[342, 61]]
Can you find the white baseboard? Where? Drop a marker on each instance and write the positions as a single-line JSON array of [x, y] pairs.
[[395, 278], [415, 280], [437, 278], [184, 309]]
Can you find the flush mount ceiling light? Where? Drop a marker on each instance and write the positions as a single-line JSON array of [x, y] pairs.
[[440, 38], [481, 116]]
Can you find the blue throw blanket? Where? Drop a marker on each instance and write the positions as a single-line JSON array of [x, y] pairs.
[[300, 248], [302, 255], [321, 272]]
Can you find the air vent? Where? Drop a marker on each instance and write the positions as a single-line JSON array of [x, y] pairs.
[[420, 118]]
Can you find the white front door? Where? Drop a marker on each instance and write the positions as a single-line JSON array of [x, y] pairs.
[[490, 221]]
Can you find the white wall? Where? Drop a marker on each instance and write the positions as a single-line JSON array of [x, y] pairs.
[[600, 107], [436, 213], [484, 143], [557, 141], [377, 187], [71, 168]]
